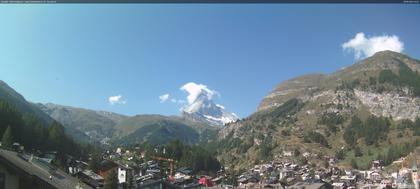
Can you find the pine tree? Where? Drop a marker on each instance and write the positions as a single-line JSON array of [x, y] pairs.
[[56, 136], [354, 164], [94, 162], [130, 182], [111, 181], [7, 139]]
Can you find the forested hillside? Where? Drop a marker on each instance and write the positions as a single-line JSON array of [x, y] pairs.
[[35, 135]]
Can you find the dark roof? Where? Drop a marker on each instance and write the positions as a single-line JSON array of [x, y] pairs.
[[311, 184], [162, 183], [38, 172], [107, 165], [185, 170]]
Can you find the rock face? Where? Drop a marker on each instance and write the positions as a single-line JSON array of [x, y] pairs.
[[305, 87], [390, 104]]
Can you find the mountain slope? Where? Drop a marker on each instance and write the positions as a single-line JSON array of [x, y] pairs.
[[24, 123], [143, 127], [329, 115], [18, 101], [105, 127], [158, 131], [305, 85], [96, 125]]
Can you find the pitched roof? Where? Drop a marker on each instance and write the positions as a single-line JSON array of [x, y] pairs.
[[37, 171]]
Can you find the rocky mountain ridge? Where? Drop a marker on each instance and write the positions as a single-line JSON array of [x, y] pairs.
[[315, 113]]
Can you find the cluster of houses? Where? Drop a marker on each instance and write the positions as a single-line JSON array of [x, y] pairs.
[[286, 174], [134, 172]]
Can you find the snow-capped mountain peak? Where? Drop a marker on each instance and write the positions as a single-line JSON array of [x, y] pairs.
[[201, 107]]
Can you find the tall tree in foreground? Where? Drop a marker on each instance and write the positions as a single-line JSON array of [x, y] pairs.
[[111, 181], [7, 139], [95, 162]]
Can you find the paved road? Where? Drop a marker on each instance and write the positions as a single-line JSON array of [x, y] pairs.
[[59, 179]]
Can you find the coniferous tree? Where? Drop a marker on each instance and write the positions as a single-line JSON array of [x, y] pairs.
[[7, 139], [111, 181], [94, 162], [354, 164]]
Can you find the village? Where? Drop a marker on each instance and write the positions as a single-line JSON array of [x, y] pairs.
[[134, 170]]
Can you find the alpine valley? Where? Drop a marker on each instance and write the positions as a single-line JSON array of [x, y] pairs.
[[357, 113]]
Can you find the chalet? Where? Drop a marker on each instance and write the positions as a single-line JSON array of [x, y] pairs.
[[124, 172], [375, 176], [287, 153], [91, 178], [206, 181], [339, 185], [306, 154], [158, 184], [19, 171], [285, 173], [311, 185], [183, 172], [106, 167], [217, 180], [348, 178], [244, 180], [377, 164]]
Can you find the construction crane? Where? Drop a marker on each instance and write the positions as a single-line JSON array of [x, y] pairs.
[[171, 163]]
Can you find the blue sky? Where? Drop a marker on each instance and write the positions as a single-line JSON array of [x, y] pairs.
[[80, 55]]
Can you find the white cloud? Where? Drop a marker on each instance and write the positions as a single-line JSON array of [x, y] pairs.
[[116, 100], [163, 98], [364, 47], [180, 101], [195, 90], [167, 98]]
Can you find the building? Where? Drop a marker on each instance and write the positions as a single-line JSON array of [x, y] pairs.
[[315, 184], [22, 171], [124, 172], [91, 178], [158, 184], [106, 167]]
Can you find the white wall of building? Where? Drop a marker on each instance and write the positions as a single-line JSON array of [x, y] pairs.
[[122, 175]]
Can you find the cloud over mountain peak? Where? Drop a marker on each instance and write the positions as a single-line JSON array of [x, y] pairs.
[[363, 46], [200, 105]]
